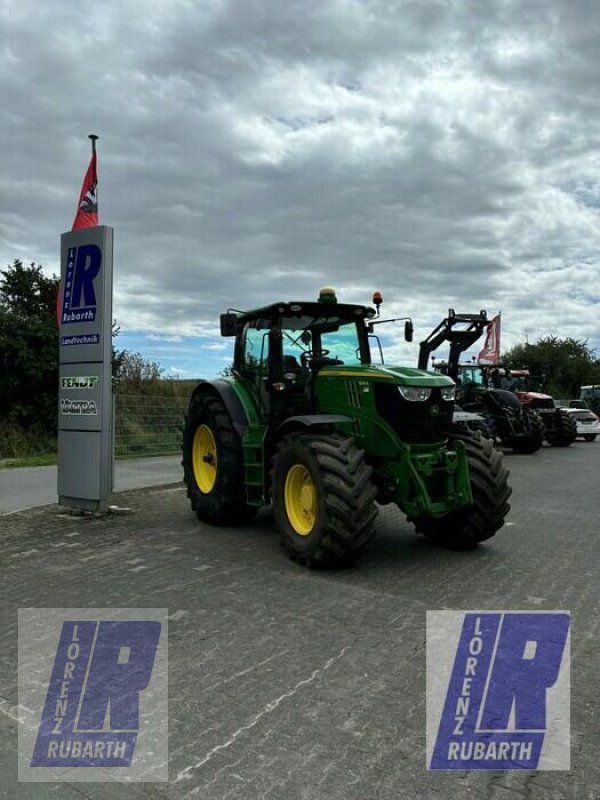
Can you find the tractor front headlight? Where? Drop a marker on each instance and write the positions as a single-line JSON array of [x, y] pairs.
[[415, 394], [448, 392]]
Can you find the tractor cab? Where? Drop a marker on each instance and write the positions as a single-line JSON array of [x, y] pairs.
[[281, 348], [590, 397], [471, 379], [529, 389]]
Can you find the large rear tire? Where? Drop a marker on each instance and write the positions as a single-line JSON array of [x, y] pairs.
[[565, 431], [465, 528], [213, 463], [323, 498]]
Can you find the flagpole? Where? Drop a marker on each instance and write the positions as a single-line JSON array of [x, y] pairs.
[[94, 138]]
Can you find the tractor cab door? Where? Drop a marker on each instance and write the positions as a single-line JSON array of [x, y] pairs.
[[273, 370], [253, 363]]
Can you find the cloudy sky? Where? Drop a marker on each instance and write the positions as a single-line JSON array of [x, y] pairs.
[[445, 153]]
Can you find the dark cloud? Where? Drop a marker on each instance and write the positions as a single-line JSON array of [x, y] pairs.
[[443, 153]]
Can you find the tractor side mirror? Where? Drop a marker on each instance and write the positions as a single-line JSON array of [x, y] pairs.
[[408, 330], [228, 324]]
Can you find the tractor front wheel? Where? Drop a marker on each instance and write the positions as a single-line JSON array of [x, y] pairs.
[[465, 528], [565, 430], [487, 427], [323, 498], [533, 433], [213, 463]]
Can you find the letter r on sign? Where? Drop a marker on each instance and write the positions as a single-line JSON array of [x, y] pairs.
[[89, 260], [111, 679], [518, 678]]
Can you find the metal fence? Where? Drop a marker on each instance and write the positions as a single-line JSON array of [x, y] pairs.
[[147, 425]]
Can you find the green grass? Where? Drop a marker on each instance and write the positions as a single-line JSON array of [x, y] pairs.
[[49, 459], [41, 460], [145, 425]]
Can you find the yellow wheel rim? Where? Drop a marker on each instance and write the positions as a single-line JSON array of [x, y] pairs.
[[204, 458], [300, 498]]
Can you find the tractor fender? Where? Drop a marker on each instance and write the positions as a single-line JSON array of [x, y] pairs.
[[312, 421], [501, 397], [466, 416], [232, 402]]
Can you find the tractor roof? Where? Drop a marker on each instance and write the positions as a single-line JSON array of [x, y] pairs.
[[306, 314]]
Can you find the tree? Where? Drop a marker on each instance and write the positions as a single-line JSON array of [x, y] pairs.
[[28, 347], [26, 292], [566, 364], [131, 370]]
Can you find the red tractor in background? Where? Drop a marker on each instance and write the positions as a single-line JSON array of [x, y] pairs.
[[560, 426]]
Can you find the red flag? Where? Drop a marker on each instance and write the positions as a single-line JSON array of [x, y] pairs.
[[491, 349], [87, 208]]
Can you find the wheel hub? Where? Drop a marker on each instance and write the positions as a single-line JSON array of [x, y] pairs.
[[204, 458], [300, 500]]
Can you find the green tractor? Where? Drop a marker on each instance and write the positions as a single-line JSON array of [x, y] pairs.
[[589, 397], [308, 424]]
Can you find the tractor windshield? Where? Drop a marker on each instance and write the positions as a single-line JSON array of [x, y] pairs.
[[527, 383], [333, 338], [342, 345], [590, 393], [472, 374]]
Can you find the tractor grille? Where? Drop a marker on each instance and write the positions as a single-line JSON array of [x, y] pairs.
[[545, 402], [353, 394], [414, 423]]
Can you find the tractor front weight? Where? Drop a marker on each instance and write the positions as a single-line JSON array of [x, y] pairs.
[[429, 482]]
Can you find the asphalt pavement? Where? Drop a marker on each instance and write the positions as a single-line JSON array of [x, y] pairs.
[[30, 487], [291, 684]]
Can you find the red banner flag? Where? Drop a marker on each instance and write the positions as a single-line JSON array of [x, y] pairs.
[[491, 349], [87, 208]]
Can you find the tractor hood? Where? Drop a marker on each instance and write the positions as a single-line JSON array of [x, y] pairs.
[[405, 376], [529, 396]]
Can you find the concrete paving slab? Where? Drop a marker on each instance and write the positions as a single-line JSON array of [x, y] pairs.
[[292, 684]]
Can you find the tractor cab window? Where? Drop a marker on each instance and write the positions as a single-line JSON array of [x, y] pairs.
[[590, 392], [321, 341], [342, 345], [469, 377], [255, 347], [296, 343], [472, 374]]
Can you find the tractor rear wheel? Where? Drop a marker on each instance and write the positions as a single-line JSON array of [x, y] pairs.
[[213, 463], [465, 528], [323, 498], [565, 430]]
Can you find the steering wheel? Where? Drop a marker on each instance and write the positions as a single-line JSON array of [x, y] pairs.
[[305, 358], [309, 356]]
